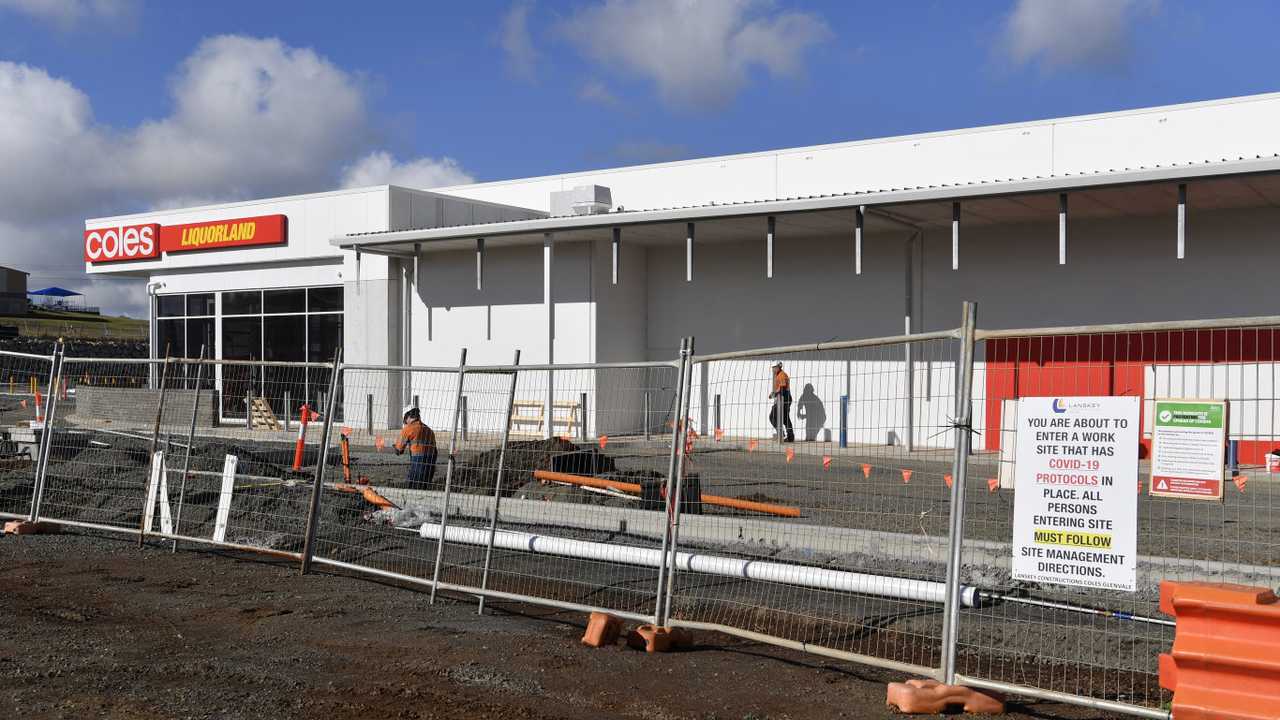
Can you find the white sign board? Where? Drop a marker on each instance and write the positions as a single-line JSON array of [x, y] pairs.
[[1187, 445], [1076, 495]]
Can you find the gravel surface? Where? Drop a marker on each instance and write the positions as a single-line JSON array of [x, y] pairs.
[[96, 627]]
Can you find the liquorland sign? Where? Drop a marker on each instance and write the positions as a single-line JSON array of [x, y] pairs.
[[146, 242]]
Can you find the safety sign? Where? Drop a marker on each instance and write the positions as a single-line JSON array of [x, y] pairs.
[[1188, 440], [1076, 492]]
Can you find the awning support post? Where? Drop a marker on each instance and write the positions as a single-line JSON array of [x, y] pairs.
[[1062, 228], [859, 220], [479, 263], [1182, 221], [955, 236], [617, 250], [688, 253], [768, 256]]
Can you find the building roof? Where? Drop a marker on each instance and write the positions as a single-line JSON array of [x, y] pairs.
[[1264, 167]]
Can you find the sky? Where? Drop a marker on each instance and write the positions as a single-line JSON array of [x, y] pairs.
[[116, 106]]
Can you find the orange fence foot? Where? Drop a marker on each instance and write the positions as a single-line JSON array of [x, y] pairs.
[[602, 630], [1224, 664], [931, 696], [26, 527], [651, 638]]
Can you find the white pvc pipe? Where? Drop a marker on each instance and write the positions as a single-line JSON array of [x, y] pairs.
[[820, 578]]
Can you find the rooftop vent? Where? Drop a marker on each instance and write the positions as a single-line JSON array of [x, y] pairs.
[[582, 200]]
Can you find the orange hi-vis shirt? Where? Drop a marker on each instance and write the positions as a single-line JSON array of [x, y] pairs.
[[781, 381], [418, 437]]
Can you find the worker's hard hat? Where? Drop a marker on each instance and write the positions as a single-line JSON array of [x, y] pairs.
[[410, 410], [777, 363]]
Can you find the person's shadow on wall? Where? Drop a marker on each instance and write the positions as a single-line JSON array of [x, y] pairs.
[[812, 411]]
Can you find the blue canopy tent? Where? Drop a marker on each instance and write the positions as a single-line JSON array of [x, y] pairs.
[[55, 298]]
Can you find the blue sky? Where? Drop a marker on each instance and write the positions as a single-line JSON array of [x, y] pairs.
[[106, 105]]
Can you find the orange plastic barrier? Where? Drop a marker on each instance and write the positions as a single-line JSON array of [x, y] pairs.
[[1225, 663], [735, 503]]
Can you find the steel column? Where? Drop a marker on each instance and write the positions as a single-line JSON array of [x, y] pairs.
[[660, 592], [46, 433], [191, 441], [674, 495], [317, 487]]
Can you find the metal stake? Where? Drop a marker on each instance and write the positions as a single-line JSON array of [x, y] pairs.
[[959, 470], [191, 441], [448, 477], [497, 486], [313, 510]]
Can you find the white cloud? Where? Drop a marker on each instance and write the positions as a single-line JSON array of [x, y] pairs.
[[1059, 33], [517, 43], [379, 168], [67, 13], [251, 118], [697, 54]]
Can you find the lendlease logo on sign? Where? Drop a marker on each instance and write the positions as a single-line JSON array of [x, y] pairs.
[[107, 245], [133, 242]]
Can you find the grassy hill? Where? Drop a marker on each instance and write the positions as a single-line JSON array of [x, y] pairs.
[[44, 323]]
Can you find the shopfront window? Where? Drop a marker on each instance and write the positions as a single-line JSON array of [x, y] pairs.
[[278, 326]]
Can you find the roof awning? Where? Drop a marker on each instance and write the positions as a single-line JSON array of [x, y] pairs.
[[1239, 183]]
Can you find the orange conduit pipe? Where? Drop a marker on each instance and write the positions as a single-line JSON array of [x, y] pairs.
[[721, 501]]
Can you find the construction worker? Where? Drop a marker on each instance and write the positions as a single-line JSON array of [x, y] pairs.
[[420, 441], [781, 389]]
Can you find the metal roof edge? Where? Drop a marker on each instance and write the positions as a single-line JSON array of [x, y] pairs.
[[954, 132], [240, 203], [1186, 171]]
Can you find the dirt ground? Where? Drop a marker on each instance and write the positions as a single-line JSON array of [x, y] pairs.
[[95, 627]]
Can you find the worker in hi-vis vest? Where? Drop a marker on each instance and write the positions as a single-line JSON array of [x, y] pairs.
[[420, 441], [781, 389]]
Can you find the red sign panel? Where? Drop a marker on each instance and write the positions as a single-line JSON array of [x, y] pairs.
[[264, 230], [1186, 487], [146, 242], [132, 242]]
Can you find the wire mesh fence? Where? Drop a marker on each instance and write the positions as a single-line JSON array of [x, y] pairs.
[[832, 532], [692, 492], [25, 382], [1103, 644]]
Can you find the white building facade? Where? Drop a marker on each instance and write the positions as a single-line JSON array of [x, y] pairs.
[[1153, 214]]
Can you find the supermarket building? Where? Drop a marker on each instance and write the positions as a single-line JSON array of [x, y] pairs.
[[1152, 214]]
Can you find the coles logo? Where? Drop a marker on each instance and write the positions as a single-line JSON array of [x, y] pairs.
[[134, 242]]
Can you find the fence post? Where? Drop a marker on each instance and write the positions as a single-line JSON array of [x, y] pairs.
[[497, 484], [779, 430], [463, 410], [959, 470], [313, 510], [191, 441], [717, 425], [155, 438], [674, 498], [46, 433], [448, 477], [368, 413], [288, 402], [844, 421], [582, 417], [660, 593]]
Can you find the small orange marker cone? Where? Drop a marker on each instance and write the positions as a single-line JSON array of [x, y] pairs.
[[947, 479], [993, 484], [752, 445], [379, 443], [906, 476], [719, 434], [866, 470], [1240, 481], [791, 454], [826, 462], [604, 440], [346, 431]]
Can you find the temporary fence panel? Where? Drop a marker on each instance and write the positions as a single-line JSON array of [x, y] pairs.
[[375, 496], [840, 547], [1098, 646], [558, 529], [111, 417], [24, 387]]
